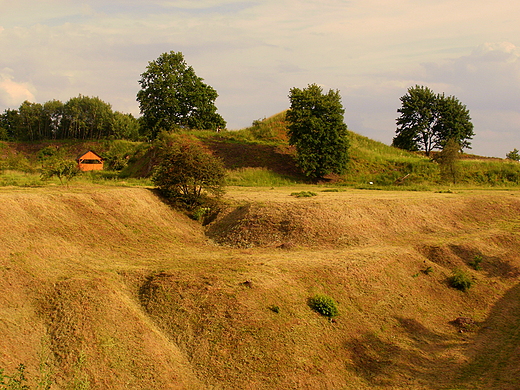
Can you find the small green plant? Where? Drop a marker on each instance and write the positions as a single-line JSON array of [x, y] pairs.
[[428, 270], [200, 213], [475, 263], [324, 305], [460, 280], [274, 309], [304, 194]]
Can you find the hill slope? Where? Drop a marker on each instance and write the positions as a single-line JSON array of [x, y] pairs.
[[108, 288]]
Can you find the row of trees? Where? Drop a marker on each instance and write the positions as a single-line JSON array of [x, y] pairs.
[[81, 117]]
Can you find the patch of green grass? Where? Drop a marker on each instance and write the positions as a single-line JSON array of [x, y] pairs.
[[304, 194], [257, 177]]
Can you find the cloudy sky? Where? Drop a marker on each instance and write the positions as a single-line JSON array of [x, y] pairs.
[[253, 52]]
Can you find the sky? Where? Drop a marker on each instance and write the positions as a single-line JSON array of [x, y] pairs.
[[254, 52]]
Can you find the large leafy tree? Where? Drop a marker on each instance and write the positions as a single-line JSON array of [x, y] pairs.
[[317, 129], [428, 120], [172, 95]]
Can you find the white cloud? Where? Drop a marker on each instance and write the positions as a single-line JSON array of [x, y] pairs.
[[13, 93]]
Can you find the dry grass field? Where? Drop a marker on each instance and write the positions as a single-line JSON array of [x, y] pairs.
[[109, 288]]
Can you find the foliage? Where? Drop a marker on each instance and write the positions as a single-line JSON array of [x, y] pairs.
[[513, 155], [317, 130], [460, 280], [324, 305], [173, 96], [475, 263], [47, 153], [187, 173], [274, 308], [304, 194], [16, 381], [448, 161], [119, 153], [427, 121], [81, 117], [63, 169]]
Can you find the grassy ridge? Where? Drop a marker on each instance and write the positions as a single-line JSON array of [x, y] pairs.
[[260, 156]]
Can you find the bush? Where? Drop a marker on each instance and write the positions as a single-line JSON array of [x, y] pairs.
[[324, 305], [460, 280], [304, 194], [63, 169], [187, 174]]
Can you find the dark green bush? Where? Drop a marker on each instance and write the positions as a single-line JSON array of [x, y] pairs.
[[188, 174], [324, 305], [460, 280]]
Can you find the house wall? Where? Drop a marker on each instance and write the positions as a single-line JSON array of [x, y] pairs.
[[90, 167]]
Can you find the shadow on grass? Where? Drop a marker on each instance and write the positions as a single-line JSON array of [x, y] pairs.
[[494, 356]]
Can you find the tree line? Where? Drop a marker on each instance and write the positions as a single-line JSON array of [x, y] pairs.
[[81, 117]]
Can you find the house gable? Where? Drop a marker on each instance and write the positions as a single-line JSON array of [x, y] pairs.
[[90, 161]]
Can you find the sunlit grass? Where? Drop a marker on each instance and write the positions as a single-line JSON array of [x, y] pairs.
[[257, 177]]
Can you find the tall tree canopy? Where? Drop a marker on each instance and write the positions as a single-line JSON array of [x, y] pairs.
[[172, 95], [428, 120], [317, 130]]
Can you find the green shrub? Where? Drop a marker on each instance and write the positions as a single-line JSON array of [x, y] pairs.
[[460, 280], [274, 309], [304, 194], [187, 174], [475, 263], [324, 305]]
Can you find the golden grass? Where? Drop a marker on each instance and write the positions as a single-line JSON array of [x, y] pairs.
[[108, 288]]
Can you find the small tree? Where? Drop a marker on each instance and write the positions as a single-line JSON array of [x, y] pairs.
[[317, 130], [63, 169], [187, 173], [448, 160], [513, 155]]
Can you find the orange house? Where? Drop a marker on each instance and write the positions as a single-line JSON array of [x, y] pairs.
[[90, 161]]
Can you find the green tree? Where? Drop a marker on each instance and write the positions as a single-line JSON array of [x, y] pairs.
[[453, 123], [448, 160], [427, 121], [63, 169], [187, 173], [172, 95], [513, 155], [87, 117], [317, 129], [125, 126]]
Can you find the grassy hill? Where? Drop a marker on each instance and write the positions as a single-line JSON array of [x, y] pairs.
[[108, 288], [261, 156]]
